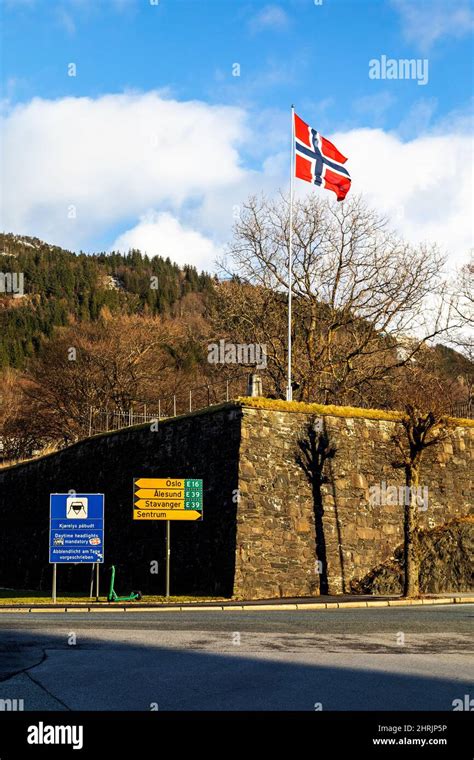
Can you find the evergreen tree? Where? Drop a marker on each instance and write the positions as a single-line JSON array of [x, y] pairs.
[[61, 286]]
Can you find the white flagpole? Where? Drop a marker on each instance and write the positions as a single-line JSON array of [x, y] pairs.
[[289, 389]]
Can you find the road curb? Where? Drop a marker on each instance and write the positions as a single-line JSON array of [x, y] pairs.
[[278, 606]]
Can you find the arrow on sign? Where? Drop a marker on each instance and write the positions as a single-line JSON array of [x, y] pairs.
[[159, 504], [159, 483], [160, 493], [171, 514]]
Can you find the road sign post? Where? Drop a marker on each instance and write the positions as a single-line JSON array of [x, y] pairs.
[[167, 499], [54, 583], [168, 556], [76, 532]]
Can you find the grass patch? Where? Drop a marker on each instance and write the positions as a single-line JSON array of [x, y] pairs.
[[25, 598], [329, 409], [334, 411]]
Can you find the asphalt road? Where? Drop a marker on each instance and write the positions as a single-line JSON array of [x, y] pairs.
[[354, 659]]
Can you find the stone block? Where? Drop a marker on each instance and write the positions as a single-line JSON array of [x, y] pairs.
[[303, 526]]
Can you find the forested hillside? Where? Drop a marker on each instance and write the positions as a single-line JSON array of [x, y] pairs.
[[61, 287], [91, 334]]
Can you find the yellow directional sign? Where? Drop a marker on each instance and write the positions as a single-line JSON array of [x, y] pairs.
[[159, 504], [174, 514], [159, 483], [160, 493], [167, 499]]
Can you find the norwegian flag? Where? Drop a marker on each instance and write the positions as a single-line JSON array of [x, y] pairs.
[[318, 161]]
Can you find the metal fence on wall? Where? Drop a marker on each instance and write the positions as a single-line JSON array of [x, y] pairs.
[[107, 419], [463, 410], [193, 399]]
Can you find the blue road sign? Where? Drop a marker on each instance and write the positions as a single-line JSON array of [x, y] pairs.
[[76, 527]]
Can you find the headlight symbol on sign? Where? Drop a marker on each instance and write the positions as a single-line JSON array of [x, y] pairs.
[[76, 506]]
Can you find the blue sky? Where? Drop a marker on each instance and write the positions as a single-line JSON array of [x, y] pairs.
[[135, 60]]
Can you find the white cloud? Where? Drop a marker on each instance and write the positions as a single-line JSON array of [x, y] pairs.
[[270, 17], [112, 158], [418, 119], [162, 234], [424, 22], [424, 185], [118, 156]]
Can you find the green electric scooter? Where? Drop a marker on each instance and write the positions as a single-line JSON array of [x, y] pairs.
[[135, 596]]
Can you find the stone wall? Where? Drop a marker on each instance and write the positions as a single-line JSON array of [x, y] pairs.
[[301, 522], [446, 562], [298, 535], [202, 553]]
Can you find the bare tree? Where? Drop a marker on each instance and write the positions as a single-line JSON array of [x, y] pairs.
[[425, 424], [21, 432], [359, 293], [464, 304], [249, 313], [462, 336], [110, 363]]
